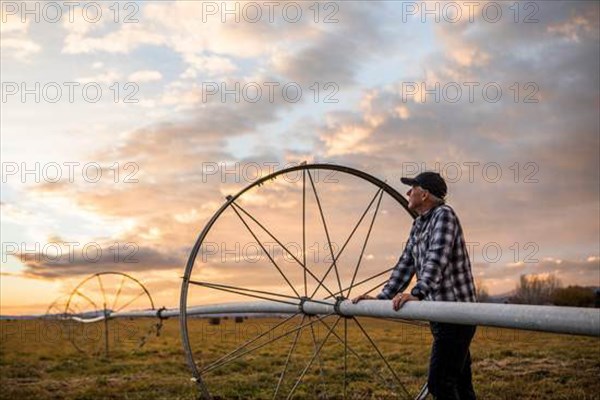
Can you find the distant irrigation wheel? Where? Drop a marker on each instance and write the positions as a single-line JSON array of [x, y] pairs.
[[300, 277], [56, 309], [91, 304]]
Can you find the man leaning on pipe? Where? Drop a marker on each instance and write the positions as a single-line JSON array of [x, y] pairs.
[[437, 254]]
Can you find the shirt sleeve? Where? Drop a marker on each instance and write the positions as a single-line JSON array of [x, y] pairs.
[[401, 275], [438, 255]]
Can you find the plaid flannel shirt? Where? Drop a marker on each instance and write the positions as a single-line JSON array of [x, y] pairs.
[[437, 254]]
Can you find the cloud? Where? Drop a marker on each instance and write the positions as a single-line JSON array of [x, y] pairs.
[[581, 23], [108, 78], [96, 257], [169, 211], [14, 213], [206, 47], [344, 136], [336, 53], [130, 36], [212, 66], [172, 195], [16, 42], [217, 49], [145, 76], [555, 141]]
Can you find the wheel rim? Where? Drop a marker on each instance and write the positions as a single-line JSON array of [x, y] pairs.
[[343, 291]]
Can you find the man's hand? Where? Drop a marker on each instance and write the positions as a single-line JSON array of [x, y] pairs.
[[363, 297], [401, 298]]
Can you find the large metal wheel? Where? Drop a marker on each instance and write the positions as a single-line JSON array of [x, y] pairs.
[[309, 200], [91, 304]]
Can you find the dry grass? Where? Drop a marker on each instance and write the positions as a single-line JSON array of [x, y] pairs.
[[38, 362]]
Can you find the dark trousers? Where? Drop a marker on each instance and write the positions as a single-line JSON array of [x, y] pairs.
[[450, 363]]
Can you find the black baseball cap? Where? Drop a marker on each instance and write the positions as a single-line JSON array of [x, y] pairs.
[[430, 181]]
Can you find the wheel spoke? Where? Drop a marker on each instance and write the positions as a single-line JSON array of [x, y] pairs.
[[87, 298], [344, 246], [355, 354], [312, 358], [102, 289], [345, 354], [407, 321], [72, 309], [211, 368], [300, 263], [265, 250], [114, 304], [319, 360], [423, 393], [131, 301], [304, 231], [362, 252], [326, 233], [376, 286], [373, 288], [341, 340], [289, 356], [381, 356], [241, 290], [249, 342], [364, 281], [225, 288]]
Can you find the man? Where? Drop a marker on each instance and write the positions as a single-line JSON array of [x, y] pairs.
[[437, 254]]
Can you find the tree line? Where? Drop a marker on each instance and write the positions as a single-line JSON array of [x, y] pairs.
[[547, 289]]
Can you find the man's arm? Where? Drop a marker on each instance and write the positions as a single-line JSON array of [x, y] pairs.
[[438, 254], [401, 275]]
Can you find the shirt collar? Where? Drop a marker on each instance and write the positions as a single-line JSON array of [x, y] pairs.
[[428, 213]]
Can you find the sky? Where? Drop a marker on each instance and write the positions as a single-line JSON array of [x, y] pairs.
[[125, 124]]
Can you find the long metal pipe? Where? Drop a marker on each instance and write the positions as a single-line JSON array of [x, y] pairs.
[[571, 320]]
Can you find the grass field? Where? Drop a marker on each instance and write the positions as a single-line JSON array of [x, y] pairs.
[[37, 361]]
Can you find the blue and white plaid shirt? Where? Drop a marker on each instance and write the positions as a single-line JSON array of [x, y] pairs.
[[437, 253]]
